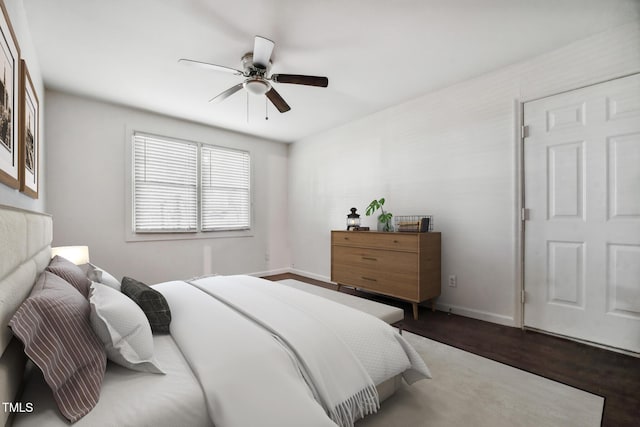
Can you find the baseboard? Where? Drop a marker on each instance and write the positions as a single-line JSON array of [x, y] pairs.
[[310, 275], [478, 314]]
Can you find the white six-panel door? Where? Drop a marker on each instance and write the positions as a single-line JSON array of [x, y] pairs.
[[582, 192]]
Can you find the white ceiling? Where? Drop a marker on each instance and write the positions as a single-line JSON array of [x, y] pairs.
[[376, 53]]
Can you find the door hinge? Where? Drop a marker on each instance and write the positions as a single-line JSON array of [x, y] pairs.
[[524, 131], [524, 214], [523, 296]]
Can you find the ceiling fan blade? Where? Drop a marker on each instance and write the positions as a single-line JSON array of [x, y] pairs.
[[277, 100], [262, 50], [227, 93], [298, 79], [208, 66]]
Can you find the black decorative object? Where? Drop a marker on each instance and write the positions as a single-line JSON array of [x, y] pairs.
[[353, 219]]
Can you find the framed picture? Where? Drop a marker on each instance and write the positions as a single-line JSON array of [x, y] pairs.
[[9, 90], [29, 134]]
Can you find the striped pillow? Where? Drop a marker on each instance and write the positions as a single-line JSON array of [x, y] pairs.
[[71, 273], [53, 324]]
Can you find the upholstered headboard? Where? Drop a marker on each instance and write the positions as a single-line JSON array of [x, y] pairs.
[[25, 250]]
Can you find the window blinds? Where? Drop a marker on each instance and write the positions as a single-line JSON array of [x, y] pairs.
[[169, 185], [225, 188], [165, 185]]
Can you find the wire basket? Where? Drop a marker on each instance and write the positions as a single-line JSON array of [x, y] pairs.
[[414, 223]]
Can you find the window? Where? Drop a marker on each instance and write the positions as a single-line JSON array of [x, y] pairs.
[[225, 188], [181, 186], [165, 185]]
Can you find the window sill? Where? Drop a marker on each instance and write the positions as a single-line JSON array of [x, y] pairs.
[[152, 237]]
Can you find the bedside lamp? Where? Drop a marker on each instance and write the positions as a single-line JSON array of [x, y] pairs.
[[353, 219], [76, 254]]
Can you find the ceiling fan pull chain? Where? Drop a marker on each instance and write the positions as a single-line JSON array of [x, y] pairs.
[[247, 107], [266, 109]]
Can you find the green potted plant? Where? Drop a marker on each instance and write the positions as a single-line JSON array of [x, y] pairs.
[[384, 219]]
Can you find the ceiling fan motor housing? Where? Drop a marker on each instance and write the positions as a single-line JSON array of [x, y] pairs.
[[252, 69], [256, 82]]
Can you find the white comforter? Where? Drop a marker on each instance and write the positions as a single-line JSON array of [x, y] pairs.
[[242, 336]]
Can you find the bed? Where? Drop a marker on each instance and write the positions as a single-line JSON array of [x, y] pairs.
[[241, 351]]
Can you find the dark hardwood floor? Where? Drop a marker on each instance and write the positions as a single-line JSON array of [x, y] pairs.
[[614, 376]]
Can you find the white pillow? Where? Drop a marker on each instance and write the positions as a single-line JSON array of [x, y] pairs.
[[123, 328], [96, 274]]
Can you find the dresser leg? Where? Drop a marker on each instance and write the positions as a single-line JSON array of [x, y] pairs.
[[338, 287], [433, 305], [415, 310]]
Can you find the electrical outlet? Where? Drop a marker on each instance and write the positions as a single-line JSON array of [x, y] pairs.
[[453, 281]]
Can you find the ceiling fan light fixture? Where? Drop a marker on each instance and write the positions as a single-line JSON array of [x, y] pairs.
[[257, 86]]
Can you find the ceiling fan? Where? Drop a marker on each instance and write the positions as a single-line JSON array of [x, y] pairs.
[[256, 66]]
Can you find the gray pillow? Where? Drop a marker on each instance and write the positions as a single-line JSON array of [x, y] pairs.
[[152, 303], [70, 272]]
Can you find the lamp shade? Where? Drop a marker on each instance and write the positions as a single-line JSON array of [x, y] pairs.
[[76, 254]]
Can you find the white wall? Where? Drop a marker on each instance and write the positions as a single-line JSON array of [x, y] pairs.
[[453, 154], [86, 176], [9, 196]]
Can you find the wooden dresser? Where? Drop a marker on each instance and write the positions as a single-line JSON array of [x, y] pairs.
[[400, 265]]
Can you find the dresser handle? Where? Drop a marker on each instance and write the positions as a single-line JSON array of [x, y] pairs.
[[346, 238], [368, 258], [369, 279], [395, 241]]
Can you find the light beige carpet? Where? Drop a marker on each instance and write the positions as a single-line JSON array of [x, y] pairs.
[[469, 390]]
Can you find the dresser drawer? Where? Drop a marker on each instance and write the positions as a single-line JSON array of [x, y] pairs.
[[373, 239], [394, 284], [376, 259]]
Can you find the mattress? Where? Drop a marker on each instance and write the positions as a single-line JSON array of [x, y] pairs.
[[129, 398]]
